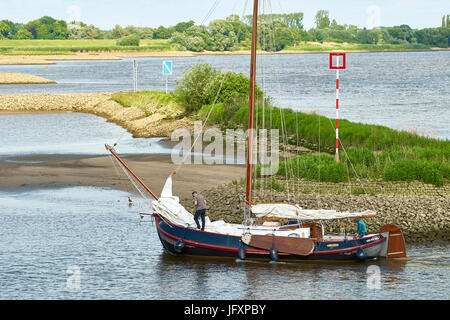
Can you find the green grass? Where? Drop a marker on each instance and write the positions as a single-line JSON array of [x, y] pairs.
[[371, 151], [362, 163], [326, 46], [150, 102], [81, 45], [309, 127], [164, 45]]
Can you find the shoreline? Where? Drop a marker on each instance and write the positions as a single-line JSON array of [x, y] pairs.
[[53, 171], [13, 78], [423, 217], [48, 59], [132, 119], [219, 183]]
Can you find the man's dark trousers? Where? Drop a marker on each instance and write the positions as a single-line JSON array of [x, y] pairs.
[[200, 213]]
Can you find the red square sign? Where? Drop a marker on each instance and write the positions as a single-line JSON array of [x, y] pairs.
[[333, 64]]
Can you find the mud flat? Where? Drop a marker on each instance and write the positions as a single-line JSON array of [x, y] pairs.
[[21, 78], [50, 171]]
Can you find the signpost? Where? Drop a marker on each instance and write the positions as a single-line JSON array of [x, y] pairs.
[[337, 66], [167, 70]]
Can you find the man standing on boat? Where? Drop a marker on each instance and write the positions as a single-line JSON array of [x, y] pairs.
[[361, 230], [200, 209]]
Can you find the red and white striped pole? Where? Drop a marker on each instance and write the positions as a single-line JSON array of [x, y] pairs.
[[336, 156], [337, 67]]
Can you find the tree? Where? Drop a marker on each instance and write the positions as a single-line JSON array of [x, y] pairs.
[[4, 30], [275, 36], [161, 33], [91, 32], [322, 19], [294, 20], [117, 32], [183, 26], [132, 40], [402, 32], [242, 30], [23, 34], [192, 90], [222, 34], [48, 28], [317, 34], [367, 36]]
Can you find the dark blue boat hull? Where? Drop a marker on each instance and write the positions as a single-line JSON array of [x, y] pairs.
[[201, 243]]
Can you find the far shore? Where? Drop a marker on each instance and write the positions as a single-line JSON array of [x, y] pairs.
[[42, 58]]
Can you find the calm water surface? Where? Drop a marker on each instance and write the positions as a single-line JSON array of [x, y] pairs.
[[401, 90], [68, 133], [47, 233]]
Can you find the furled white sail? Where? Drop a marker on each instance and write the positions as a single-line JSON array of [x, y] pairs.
[[295, 212], [169, 207]]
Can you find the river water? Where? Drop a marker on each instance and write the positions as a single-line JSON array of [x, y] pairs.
[[401, 90], [23, 135], [88, 243]]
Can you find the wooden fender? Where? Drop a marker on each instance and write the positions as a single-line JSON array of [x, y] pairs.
[[396, 244], [291, 245]]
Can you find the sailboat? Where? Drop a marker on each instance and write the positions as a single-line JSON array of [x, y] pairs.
[[301, 236]]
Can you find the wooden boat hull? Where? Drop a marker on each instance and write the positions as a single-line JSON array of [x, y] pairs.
[[179, 240]]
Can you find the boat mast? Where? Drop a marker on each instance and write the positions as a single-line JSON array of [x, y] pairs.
[[124, 165], [251, 110]]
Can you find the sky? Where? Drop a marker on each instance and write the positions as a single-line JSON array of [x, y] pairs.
[[152, 13]]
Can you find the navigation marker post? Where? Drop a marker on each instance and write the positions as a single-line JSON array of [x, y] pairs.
[[167, 70], [337, 67], [134, 75]]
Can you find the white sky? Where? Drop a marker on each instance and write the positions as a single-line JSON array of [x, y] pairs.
[[152, 13]]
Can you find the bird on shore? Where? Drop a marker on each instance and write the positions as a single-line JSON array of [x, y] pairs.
[[130, 202]]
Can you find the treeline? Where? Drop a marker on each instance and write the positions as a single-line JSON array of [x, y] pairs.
[[276, 32]]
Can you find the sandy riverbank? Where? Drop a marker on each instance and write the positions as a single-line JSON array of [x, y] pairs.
[[46, 59], [132, 119], [43, 171], [20, 78]]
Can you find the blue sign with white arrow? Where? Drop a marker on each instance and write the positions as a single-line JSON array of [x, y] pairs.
[[167, 68]]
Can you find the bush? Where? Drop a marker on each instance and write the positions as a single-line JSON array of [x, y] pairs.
[[129, 41], [192, 89], [231, 86], [203, 85]]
